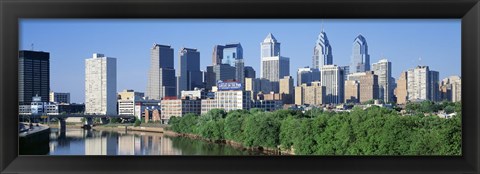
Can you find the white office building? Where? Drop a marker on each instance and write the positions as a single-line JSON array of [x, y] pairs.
[[101, 85], [383, 69], [273, 66], [418, 83], [332, 77]]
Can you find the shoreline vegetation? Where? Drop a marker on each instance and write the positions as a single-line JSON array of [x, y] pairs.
[[371, 131]]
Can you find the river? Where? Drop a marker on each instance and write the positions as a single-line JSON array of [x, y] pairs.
[[77, 141]]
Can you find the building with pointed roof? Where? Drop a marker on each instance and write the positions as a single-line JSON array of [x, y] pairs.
[[360, 60], [322, 52]]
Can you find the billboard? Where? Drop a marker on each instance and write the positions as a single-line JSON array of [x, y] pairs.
[[224, 86]]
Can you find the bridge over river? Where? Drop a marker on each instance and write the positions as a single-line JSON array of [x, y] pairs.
[[62, 117]]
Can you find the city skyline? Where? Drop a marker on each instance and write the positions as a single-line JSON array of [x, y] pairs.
[[132, 49]]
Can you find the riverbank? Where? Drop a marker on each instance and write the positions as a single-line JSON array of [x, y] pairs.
[[166, 132]]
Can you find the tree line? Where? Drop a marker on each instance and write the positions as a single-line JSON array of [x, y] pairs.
[[371, 131]]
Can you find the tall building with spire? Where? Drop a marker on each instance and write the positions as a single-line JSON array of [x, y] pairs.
[[360, 61], [161, 75], [322, 52], [273, 66]]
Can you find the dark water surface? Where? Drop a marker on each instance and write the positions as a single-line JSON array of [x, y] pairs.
[[99, 142]]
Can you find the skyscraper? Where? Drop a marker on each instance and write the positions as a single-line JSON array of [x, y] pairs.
[[273, 66], [434, 86], [270, 46], [161, 75], [307, 75], [218, 72], [333, 80], [360, 58], [383, 69], [33, 76], [101, 85], [322, 52], [233, 56], [217, 54], [189, 75], [418, 85]]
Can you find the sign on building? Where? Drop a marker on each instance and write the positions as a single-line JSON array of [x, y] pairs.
[[225, 86]]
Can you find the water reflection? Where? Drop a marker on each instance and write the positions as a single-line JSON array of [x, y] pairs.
[[93, 142]]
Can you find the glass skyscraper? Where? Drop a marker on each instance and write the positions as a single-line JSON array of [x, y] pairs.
[[161, 76], [270, 46], [360, 58], [189, 75], [233, 56], [322, 52]]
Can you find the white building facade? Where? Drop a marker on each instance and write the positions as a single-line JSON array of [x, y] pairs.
[[101, 85], [332, 77], [383, 69]]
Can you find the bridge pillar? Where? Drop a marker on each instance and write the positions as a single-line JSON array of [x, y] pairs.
[[62, 125], [89, 121]]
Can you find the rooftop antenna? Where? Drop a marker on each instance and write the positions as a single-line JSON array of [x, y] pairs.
[[32, 46], [419, 60], [322, 25]]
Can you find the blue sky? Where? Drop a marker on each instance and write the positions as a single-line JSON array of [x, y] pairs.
[[406, 43]]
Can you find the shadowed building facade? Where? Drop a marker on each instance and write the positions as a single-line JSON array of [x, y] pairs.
[[161, 75], [33, 76], [189, 75]]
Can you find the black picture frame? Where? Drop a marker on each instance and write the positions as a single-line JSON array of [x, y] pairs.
[[12, 10]]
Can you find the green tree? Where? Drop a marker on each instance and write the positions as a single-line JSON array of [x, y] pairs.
[[261, 129], [233, 125]]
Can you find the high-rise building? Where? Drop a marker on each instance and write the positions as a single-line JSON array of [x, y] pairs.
[[217, 54], [360, 58], [101, 85], [287, 88], [307, 75], [33, 76], [189, 75], [352, 91], [273, 66], [223, 72], [451, 89], [59, 97], [434, 89], [256, 85], [249, 72], [346, 71], [418, 85], [161, 75], [233, 56], [333, 80], [270, 47], [401, 92], [312, 94], [322, 52], [383, 69], [368, 85]]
